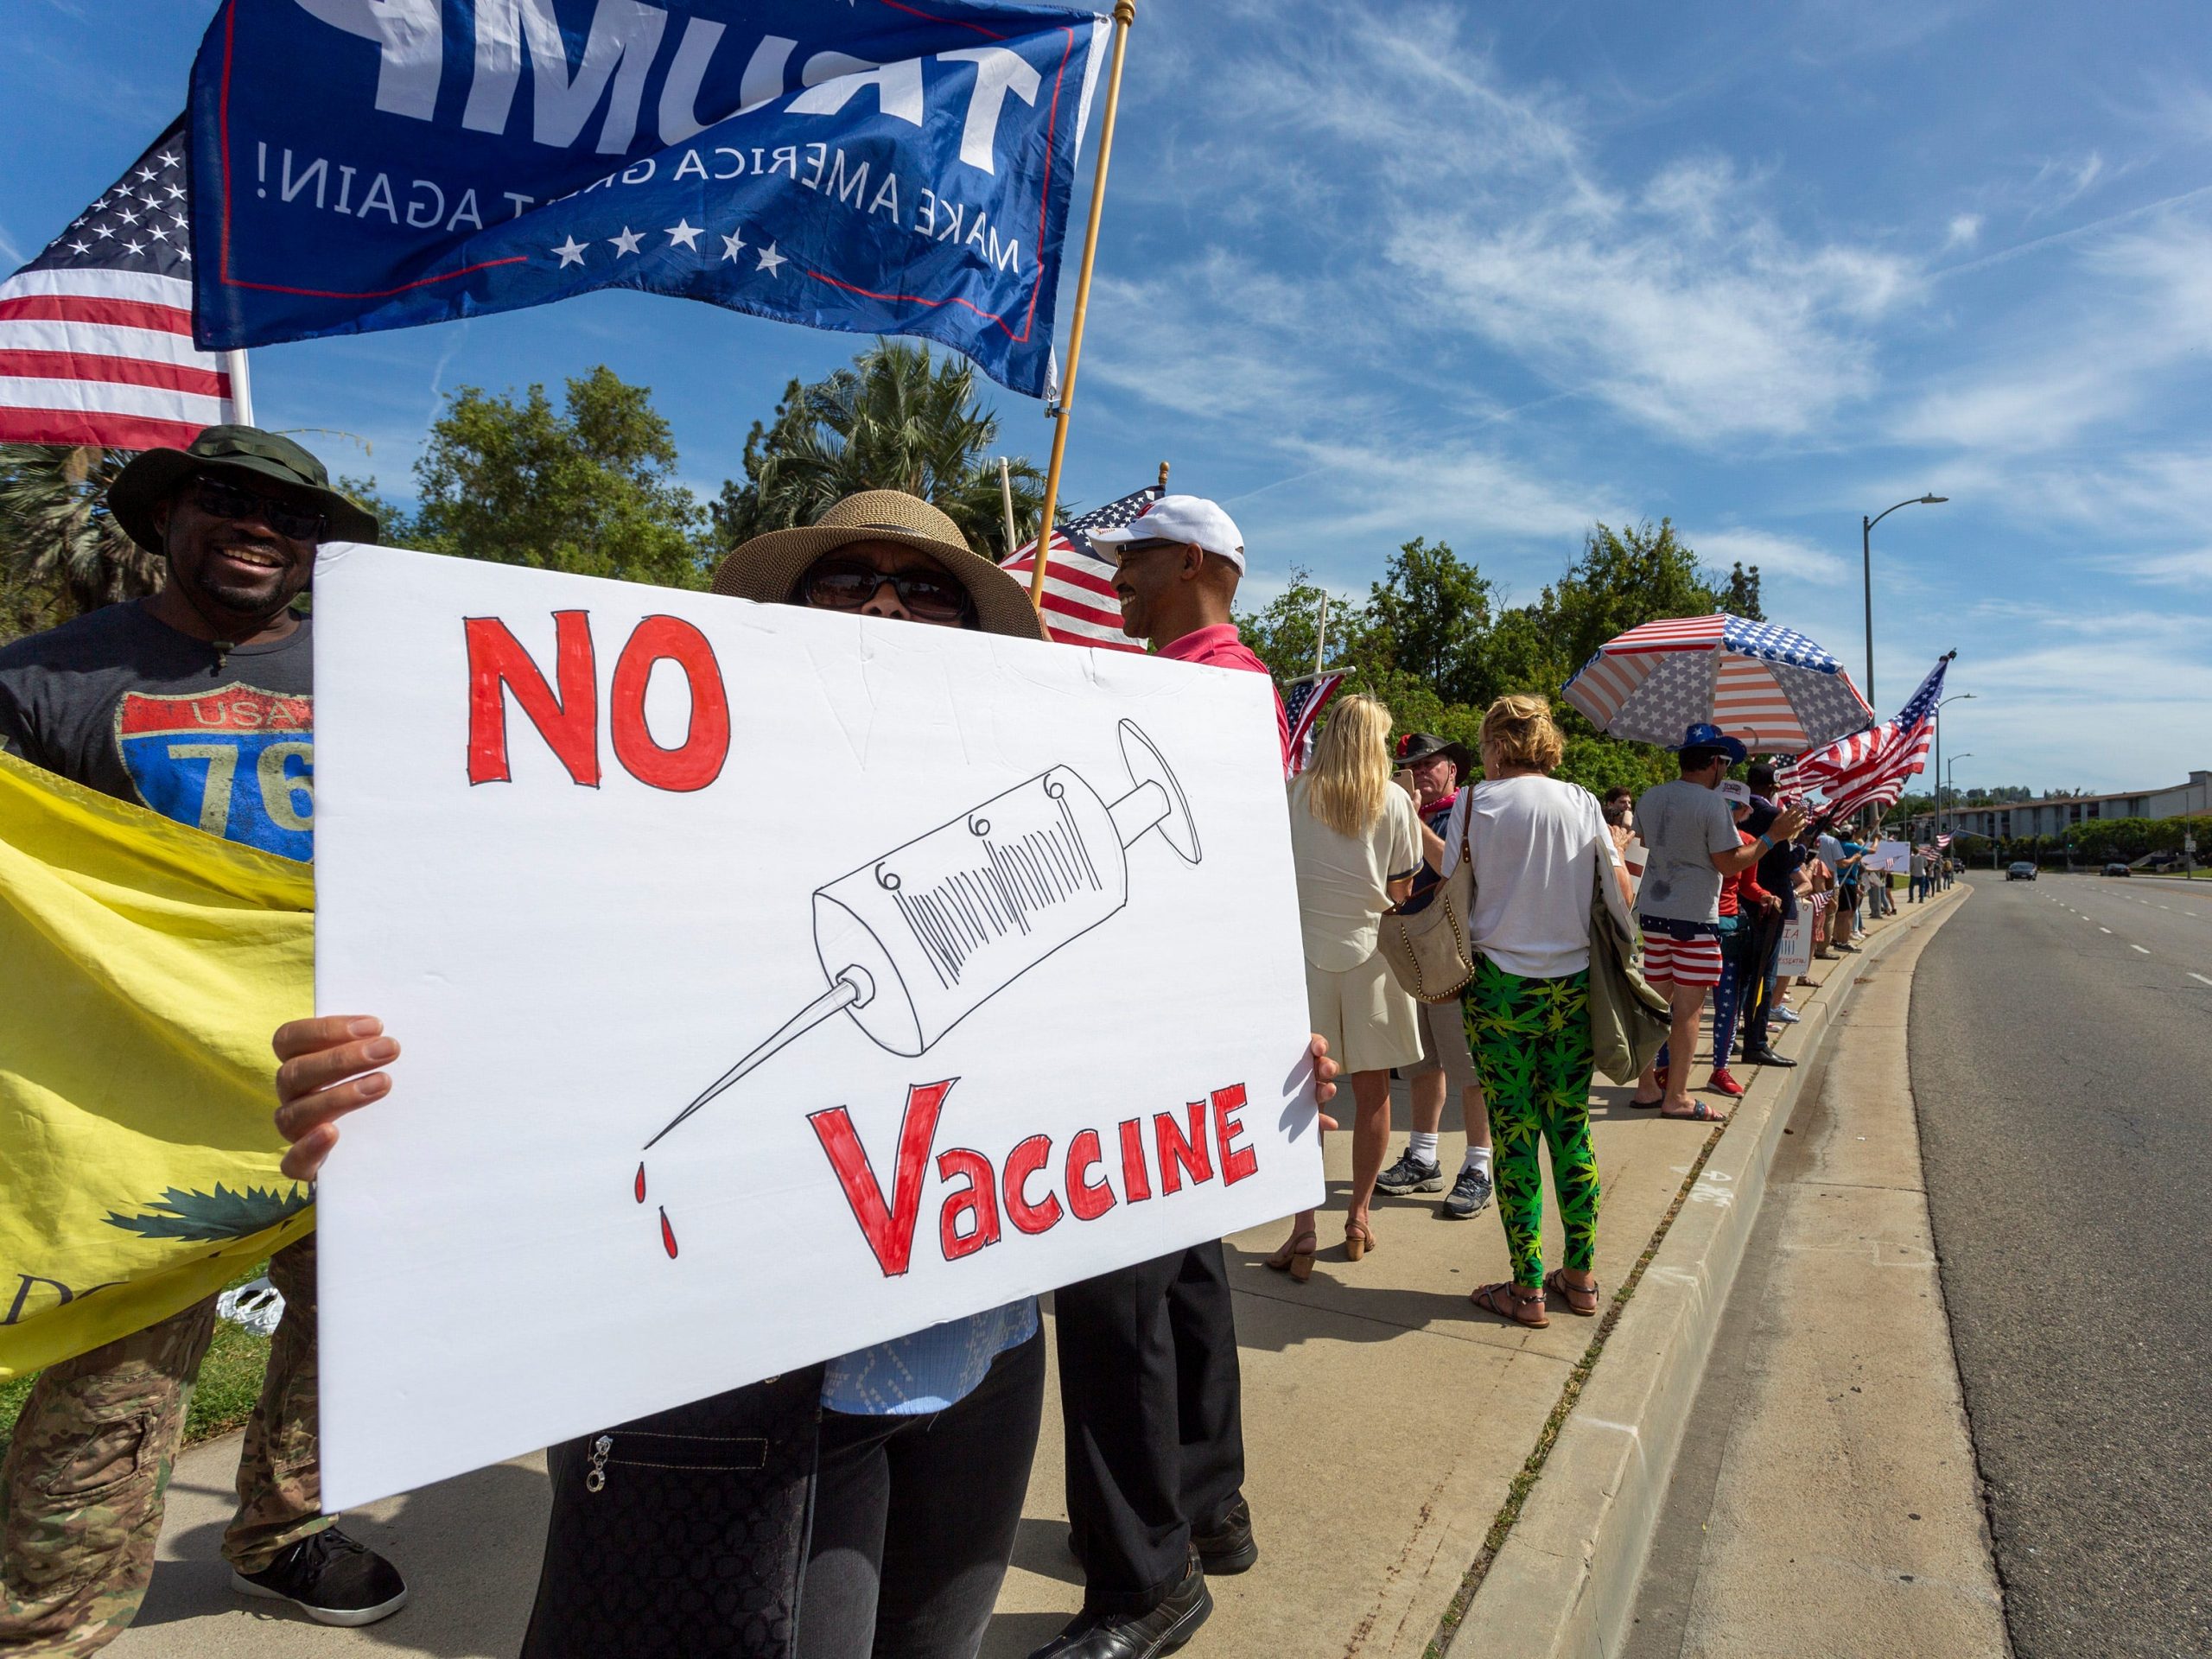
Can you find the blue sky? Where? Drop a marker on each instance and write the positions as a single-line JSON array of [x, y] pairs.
[[1371, 270]]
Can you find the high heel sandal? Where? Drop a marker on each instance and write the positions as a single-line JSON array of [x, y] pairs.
[[1297, 1263], [1360, 1239]]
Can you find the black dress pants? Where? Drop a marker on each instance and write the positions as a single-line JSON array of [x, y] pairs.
[[1155, 1435], [1760, 956]]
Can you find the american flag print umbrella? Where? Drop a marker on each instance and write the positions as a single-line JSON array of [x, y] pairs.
[[1769, 686]]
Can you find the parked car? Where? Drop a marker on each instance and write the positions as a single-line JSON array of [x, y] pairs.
[[2020, 870], [2118, 868]]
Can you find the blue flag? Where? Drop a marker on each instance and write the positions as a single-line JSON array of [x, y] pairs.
[[879, 166]]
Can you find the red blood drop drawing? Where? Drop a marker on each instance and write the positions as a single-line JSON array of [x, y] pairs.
[[641, 1184], [667, 1235]]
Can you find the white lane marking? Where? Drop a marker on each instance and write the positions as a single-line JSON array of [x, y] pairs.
[[2137, 947], [2104, 930], [2200, 980]]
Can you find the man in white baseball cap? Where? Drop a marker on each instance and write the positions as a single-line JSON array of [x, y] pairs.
[[1179, 564], [1150, 1388]]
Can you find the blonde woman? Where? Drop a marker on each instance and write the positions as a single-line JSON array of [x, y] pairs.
[[1541, 850], [1356, 841]]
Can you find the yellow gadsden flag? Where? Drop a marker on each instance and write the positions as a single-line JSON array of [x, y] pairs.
[[142, 965]]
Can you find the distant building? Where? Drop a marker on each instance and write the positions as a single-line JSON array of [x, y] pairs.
[[2054, 815]]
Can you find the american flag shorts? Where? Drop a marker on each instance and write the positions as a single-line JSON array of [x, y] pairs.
[[1686, 961]]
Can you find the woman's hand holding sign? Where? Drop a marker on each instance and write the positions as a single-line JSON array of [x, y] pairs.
[[329, 1069]]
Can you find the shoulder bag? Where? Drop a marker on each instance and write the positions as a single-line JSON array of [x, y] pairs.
[[1629, 1021], [1428, 952]]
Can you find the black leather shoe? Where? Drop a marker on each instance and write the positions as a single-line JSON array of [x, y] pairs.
[[1227, 1546], [1137, 1635], [1767, 1057]]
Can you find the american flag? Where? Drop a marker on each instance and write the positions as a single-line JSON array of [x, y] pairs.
[[1943, 841], [96, 333], [1081, 608], [1868, 768], [1303, 700]]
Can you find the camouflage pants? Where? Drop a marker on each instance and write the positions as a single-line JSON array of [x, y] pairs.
[[81, 1490]]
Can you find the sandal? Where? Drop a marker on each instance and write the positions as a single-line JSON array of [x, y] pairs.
[[1360, 1239], [1699, 1113], [1293, 1259], [1572, 1295], [1487, 1299], [1648, 1105]]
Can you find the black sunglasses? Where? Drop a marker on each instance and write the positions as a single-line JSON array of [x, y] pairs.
[[220, 498], [839, 583]]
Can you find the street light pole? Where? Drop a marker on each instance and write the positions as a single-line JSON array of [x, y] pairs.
[[1960, 696], [1955, 758], [1866, 571]]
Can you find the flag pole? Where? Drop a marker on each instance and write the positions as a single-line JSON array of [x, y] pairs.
[[234, 365], [1321, 632], [1125, 13], [1006, 501]]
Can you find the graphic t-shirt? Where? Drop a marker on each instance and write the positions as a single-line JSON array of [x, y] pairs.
[[126, 704], [1683, 824]]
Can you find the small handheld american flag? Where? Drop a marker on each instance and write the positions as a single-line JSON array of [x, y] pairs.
[[96, 333], [1303, 699], [1081, 608]]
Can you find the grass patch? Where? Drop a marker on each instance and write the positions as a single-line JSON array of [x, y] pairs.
[[230, 1382]]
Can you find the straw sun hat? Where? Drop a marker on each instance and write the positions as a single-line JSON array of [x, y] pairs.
[[768, 567]]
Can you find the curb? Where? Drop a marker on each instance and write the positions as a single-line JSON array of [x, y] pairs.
[[1565, 1578]]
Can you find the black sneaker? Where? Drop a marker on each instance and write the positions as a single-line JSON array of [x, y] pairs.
[[1227, 1546], [1470, 1195], [332, 1579], [1409, 1175], [1137, 1635]]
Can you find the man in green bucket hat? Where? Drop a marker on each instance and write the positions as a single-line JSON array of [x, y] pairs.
[[198, 702]]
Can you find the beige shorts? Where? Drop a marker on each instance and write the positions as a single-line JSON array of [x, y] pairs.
[[1444, 1044], [1371, 1023]]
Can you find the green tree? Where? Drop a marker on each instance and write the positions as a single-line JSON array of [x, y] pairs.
[[897, 419], [1431, 615], [1620, 579], [589, 488], [1740, 597], [61, 552]]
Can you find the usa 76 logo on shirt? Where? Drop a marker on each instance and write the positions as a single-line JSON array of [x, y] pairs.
[[237, 762]]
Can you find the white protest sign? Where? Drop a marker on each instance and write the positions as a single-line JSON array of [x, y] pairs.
[[1891, 857], [1795, 955], [771, 982]]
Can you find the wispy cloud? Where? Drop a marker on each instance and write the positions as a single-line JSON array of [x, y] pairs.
[[1774, 554], [1463, 211], [1964, 231]]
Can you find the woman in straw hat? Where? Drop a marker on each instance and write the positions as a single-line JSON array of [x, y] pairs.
[[889, 1482]]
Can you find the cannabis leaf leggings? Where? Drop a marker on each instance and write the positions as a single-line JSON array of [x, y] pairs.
[[1531, 1039]]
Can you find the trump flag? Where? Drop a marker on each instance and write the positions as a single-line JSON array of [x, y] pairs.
[[879, 166]]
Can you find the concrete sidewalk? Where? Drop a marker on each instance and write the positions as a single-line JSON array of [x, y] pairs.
[[1385, 1419]]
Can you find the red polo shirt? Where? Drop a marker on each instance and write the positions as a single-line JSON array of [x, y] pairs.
[[1219, 647]]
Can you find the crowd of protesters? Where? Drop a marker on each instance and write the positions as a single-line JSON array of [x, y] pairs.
[[881, 1511]]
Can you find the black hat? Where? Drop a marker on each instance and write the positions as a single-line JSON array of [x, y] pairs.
[[155, 473], [1416, 746]]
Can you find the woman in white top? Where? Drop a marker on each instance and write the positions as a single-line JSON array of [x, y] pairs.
[[1356, 841], [1541, 852]]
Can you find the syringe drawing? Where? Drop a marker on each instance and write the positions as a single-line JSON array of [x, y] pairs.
[[913, 943]]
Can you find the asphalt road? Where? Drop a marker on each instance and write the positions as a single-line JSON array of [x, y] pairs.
[[2062, 1063]]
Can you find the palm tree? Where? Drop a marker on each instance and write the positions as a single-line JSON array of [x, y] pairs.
[[56, 534], [895, 420]]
